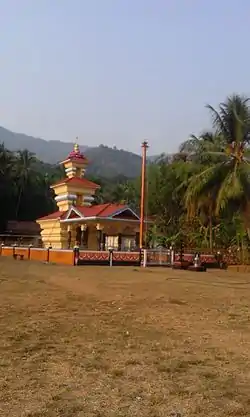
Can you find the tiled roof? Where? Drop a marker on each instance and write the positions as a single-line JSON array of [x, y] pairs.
[[82, 182], [55, 215], [24, 228], [101, 210]]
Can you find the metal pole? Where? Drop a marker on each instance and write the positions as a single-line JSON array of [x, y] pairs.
[[144, 258], [171, 255], [143, 177], [110, 257]]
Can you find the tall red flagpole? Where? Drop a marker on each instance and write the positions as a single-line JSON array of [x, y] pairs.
[[143, 178]]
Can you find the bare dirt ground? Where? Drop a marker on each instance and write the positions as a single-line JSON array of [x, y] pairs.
[[119, 342]]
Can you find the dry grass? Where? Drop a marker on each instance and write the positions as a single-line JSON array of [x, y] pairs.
[[101, 342]]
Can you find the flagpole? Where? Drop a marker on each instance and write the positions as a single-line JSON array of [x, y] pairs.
[[143, 178]]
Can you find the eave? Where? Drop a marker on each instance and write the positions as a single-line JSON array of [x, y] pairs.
[[99, 219]]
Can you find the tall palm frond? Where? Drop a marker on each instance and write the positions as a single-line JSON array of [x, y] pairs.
[[200, 149], [25, 159], [228, 174], [232, 120]]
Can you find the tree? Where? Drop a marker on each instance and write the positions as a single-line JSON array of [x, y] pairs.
[[197, 149], [127, 193], [225, 178], [6, 184], [24, 167]]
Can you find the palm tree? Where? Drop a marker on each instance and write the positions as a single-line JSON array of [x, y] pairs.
[[226, 178], [6, 181], [25, 159], [5, 160], [196, 149]]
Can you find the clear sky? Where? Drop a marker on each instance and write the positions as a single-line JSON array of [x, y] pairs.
[[120, 71]]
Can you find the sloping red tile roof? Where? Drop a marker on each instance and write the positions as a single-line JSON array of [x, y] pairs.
[[101, 210], [75, 159], [82, 182], [55, 215]]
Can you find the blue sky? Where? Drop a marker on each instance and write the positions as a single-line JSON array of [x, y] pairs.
[[120, 71]]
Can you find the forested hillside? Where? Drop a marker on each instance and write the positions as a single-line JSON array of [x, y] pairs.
[[199, 196], [105, 162]]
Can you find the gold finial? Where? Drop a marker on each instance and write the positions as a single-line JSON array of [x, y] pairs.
[[76, 146]]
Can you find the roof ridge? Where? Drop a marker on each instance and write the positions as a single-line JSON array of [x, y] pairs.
[[104, 208]]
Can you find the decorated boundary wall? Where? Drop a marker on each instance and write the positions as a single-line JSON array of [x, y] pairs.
[[166, 257], [73, 257], [145, 257]]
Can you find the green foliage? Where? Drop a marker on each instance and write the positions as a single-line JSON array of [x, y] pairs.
[[199, 196], [24, 186], [106, 162], [202, 195], [25, 192]]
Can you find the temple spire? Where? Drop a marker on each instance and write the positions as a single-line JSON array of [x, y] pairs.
[[75, 164], [76, 146]]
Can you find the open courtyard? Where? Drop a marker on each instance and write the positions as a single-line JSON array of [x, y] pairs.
[[119, 342]]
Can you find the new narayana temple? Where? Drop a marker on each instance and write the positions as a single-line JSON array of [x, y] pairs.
[[78, 222]]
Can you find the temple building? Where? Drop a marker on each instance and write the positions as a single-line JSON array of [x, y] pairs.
[[79, 222]]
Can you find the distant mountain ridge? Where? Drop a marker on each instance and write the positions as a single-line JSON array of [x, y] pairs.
[[51, 152], [104, 161]]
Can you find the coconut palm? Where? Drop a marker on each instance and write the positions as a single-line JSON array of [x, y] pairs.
[[25, 159], [6, 181], [226, 179], [198, 149], [6, 160]]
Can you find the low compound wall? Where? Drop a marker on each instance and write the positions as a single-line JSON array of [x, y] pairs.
[[72, 257], [111, 258], [166, 257], [6, 251], [37, 254], [65, 257]]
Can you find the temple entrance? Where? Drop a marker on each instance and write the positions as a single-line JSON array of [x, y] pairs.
[[81, 236]]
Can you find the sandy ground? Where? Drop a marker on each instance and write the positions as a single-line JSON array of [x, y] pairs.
[[119, 342]]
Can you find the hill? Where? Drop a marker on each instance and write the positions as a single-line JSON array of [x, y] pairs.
[[105, 162], [109, 162]]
